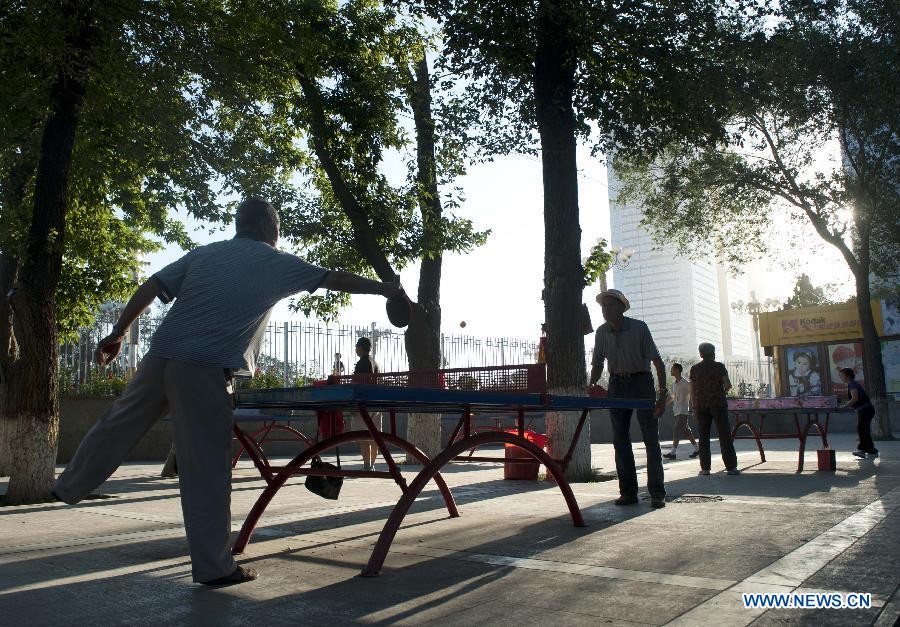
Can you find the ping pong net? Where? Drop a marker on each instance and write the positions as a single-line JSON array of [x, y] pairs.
[[530, 378]]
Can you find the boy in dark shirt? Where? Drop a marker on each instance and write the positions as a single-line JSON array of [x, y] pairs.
[[364, 366], [859, 400]]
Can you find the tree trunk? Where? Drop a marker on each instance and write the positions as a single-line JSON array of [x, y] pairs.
[[32, 400], [554, 83], [874, 367], [423, 337], [9, 271]]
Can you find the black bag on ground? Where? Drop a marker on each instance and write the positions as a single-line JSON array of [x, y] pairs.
[[326, 487]]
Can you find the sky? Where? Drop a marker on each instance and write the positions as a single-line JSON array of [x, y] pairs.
[[496, 288]]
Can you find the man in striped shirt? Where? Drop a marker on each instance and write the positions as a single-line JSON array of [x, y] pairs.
[[224, 293]]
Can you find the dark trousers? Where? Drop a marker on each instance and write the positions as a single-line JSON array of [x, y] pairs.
[[864, 429], [705, 418], [640, 387]]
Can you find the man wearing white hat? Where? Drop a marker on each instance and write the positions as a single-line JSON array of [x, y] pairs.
[[628, 347]]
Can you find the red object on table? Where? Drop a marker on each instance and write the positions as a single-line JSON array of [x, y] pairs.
[[331, 422], [597, 391]]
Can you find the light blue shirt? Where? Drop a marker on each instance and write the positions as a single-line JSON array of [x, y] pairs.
[[224, 293], [628, 350]]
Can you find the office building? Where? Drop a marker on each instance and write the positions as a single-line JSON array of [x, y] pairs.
[[684, 302]]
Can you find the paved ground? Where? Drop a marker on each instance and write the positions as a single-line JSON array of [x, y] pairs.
[[513, 558]]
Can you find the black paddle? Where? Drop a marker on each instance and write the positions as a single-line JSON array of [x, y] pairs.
[[399, 310]]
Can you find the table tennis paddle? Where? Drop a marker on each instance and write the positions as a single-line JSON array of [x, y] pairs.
[[399, 310]]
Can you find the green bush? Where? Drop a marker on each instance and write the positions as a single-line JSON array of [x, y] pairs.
[[271, 378], [99, 384]]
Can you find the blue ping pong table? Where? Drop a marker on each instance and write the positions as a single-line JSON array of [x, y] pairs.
[[366, 398]]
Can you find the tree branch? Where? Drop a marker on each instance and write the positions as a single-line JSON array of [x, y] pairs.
[[362, 230]]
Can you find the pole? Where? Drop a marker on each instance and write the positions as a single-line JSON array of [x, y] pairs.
[[286, 348]]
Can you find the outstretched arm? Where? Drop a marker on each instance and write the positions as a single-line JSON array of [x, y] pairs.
[[340, 281], [109, 347]]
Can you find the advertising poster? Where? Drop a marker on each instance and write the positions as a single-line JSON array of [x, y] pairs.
[[846, 355], [890, 318], [804, 370], [890, 357]]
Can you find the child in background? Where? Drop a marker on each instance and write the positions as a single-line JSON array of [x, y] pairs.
[[859, 400], [803, 380], [366, 365], [680, 401]]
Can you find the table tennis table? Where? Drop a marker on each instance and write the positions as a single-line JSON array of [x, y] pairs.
[[366, 398], [742, 418]]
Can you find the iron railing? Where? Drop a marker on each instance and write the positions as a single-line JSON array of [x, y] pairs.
[[296, 352]]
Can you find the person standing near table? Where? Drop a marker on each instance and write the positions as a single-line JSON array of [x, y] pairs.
[[865, 411], [681, 408], [626, 344], [366, 365], [224, 293], [709, 384]]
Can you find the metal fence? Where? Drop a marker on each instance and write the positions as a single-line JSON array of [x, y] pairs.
[[292, 351], [295, 352]]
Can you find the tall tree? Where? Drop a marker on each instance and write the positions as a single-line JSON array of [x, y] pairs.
[[823, 81], [806, 294], [108, 128], [548, 73], [32, 385], [343, 84]]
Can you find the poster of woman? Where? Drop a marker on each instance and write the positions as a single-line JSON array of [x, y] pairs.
[[848, 355], [804, 377]]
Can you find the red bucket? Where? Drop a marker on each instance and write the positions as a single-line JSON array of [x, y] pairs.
[[519, 464]]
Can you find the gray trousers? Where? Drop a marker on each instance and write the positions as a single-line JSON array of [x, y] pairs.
[[202, 417]]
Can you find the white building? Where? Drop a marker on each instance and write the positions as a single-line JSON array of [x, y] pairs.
[[683, 302]]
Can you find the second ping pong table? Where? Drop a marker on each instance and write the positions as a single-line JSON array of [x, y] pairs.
[[367, 398]]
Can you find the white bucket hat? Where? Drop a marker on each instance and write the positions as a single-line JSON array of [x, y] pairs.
[[619, 296]]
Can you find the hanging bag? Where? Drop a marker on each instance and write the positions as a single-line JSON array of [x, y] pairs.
[[326, 487]]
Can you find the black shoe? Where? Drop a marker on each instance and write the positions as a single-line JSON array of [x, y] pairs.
[[694, 454], [657, 503], [670, 455], [238, 575], [872, 453], [626, 500], [860, 454]]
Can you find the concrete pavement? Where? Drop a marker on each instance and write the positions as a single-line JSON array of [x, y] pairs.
[[513, 557]]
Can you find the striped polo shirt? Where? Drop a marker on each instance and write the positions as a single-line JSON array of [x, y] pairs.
[[224, 293]]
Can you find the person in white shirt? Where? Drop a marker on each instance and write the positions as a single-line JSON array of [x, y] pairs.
[[680, 401]]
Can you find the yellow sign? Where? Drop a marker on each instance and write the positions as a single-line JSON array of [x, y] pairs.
[[814, 324]]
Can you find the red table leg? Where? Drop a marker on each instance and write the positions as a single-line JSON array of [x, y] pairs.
[[386, 538], [746, 423], [298, 462]]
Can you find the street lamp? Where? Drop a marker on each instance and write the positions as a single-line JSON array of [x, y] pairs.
[[621, 256], [753, 307]]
